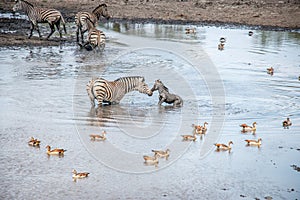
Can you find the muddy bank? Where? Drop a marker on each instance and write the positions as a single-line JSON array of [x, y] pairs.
[[267, 14]]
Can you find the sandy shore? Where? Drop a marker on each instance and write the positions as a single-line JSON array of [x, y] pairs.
[[267, 14]]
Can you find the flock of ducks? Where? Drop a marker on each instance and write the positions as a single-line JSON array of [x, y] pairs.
[[154, 160], [60, 152], [249, 142]]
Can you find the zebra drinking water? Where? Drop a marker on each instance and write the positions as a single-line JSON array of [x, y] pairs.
[[81, 19], [113, 91], [40, 15], [165, 96], [95, 39]]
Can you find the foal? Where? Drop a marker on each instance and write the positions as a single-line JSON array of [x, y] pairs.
[[165, 96]]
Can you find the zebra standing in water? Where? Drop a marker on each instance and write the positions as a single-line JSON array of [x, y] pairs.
[[81, 19], [95, 39], [113, 91], [40, 15]]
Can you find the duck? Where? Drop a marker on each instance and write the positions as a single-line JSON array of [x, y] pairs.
[[162, 154], [190, 30], [254, 142], [270, 70], [151, 159], [222, 40], [34, 142], [221, 46], [189, 137], [99, 137], [79, 175], [200, 129], [250, 33], [224, 146], [55, 151], [247, 128], [287, 122]]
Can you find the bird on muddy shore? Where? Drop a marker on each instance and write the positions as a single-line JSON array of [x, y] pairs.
[[190, 30]]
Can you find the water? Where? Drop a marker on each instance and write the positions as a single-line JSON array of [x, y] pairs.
[[43, 95]]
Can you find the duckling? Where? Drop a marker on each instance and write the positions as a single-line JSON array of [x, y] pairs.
[[286, 123], [189, 137], [162, 154], [222, 40], [55, 151], [190, 30], [34, 142], [247, 128], [250, 33], [98, 137], [224, 146], [254, 142], [221, 46], [270, 70], [79, 175], [151, 160]]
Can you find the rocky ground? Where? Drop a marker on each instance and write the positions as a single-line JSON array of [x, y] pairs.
[[266, 14]]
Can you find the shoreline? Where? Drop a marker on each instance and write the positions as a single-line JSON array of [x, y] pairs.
[[270, 15]]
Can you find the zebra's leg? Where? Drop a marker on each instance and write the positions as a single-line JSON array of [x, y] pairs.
[[77, 34], [57, 24], [82, 34], [162, 98], [31, 30], [52, 30]]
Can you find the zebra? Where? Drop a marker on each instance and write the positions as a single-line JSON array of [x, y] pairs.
[[96, 38], [81, 19], [40, 15], [112, 92], [165, 96]]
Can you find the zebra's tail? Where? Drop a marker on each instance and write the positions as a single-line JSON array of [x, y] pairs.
[[89, 89], [64, 23]]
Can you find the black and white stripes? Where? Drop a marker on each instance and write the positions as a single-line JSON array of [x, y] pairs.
[[40, 15], [113, 91], [81, 19]]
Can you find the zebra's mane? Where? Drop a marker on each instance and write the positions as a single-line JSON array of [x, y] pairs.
[[164, 87], [27, 3], [131, 77], [99, 7]]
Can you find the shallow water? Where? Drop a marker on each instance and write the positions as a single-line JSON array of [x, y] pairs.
[[43, 95]]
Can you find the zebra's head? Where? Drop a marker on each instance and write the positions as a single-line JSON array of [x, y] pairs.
[[157, 85], [142, 87], [101, 10], [17, 6]]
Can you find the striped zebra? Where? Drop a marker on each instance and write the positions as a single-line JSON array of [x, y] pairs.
[[94, 16], [40, 15], [113, 91], [95, 39]]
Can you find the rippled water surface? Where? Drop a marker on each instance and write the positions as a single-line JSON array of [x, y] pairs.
[[43, 95]]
